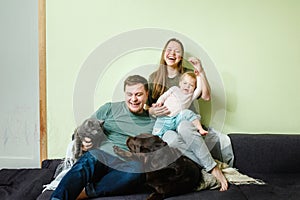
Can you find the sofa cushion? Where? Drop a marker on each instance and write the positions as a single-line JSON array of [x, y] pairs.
[[279, 186], [234, 193], [21, 184], [266, 153]]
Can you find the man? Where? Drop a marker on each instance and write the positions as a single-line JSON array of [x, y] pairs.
[[100, 172]]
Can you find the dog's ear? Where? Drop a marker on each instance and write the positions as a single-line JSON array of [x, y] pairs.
[[157, 143]]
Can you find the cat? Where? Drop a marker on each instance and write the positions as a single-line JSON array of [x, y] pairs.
[[91, 128]]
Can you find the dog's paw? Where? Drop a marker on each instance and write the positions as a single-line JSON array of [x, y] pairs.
[[116, 149], [121, 152]]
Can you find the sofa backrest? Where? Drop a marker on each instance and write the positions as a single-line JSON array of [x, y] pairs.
[[266, 153]]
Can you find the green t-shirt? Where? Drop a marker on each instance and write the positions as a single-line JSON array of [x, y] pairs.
[[119, 123]]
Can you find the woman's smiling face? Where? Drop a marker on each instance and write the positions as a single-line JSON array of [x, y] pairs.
[[173, 53]]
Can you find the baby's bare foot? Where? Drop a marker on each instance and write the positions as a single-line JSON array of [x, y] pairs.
[[216, 172], [202, 132]]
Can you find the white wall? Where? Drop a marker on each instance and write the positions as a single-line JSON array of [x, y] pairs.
[[254, 45], [19, 89]]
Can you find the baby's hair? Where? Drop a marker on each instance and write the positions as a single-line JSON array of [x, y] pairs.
[[190, 74]]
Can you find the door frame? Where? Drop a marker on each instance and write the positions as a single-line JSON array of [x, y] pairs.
[[42, 79]]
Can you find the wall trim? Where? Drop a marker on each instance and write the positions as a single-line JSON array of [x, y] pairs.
[[42, 79]]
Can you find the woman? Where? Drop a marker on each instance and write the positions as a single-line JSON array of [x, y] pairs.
[[187, 138], [171, 68]]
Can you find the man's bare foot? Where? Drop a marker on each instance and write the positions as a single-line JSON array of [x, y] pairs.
[[216, 172], [82, 195]]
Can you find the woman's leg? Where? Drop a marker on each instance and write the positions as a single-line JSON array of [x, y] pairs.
[[195, 144], [193, 149]]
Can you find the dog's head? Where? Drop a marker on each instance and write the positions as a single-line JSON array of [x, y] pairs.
[[145, 143], [152, 150]]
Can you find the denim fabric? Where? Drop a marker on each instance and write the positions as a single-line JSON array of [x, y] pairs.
[[99, 179], [189, 141], [166, 123]]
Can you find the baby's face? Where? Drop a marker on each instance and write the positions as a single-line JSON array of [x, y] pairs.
[[187, 85]]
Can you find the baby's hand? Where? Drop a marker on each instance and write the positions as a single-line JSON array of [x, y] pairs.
[[196, 64]]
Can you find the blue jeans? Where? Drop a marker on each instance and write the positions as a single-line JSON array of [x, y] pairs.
[[115, 177]]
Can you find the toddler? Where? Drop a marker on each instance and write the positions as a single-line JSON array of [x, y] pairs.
[[178, 100]]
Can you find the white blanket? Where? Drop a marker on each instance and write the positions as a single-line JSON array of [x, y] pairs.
[[232, 175], [62, 169]]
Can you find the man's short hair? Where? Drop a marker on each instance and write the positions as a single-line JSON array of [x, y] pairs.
[[136, 79]]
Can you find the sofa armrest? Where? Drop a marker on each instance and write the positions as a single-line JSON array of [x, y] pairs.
[[51, 163]]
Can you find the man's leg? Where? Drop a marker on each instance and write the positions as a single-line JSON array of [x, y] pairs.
[[118, 182], [95, 167], [77, 177]]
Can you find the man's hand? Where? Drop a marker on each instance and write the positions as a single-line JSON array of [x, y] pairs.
[[87, 144]]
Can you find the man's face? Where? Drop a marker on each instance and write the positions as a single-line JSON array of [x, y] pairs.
[[135, 97]]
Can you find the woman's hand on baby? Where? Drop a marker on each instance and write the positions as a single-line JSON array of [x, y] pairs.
[[158, 110]]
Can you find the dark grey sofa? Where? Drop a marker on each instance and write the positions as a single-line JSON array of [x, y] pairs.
[[273, 158]]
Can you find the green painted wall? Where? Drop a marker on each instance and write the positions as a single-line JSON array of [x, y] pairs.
[[254, 45]]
